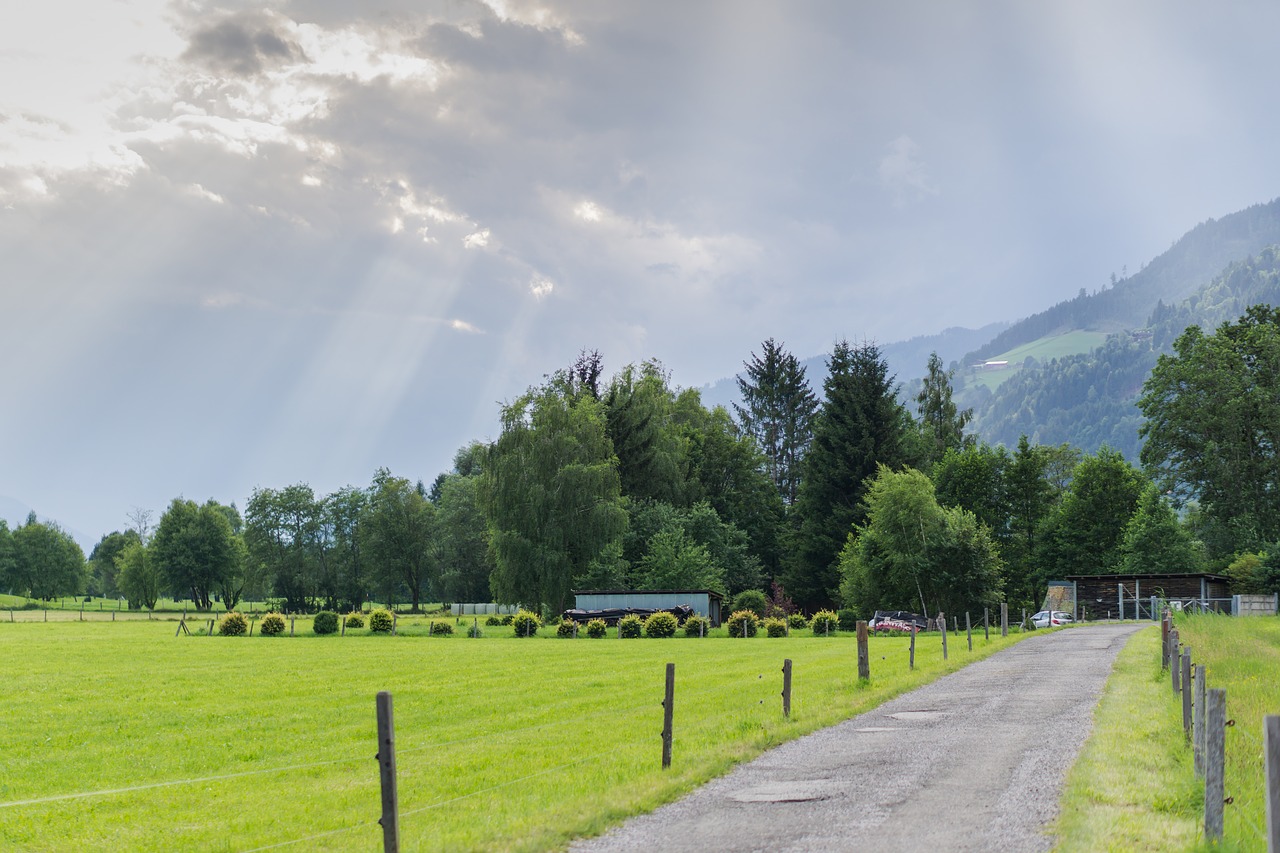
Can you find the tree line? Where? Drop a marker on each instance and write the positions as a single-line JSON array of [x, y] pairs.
[[850, 496]]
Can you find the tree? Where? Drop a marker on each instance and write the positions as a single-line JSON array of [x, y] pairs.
[[102, 561], [940, 421], [1084, 533], [777, 411], [399, 532], [282, 529], [342, 576], [551, 493], [1212, 426], [138, 576], [674, 561], [1154, 542], [8, 559], [195, 550], [913, 553], [973, 478], [860, 425], [47, 562], [638, 415]]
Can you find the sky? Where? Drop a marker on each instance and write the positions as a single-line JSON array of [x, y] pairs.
[[247, 245]]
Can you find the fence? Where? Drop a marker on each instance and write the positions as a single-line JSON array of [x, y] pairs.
[[1205, 725]]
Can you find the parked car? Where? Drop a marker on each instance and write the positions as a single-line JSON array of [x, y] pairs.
[[1044, 620]]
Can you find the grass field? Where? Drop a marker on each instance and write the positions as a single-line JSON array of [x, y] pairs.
[[1043, 349], [121, 736], [1241, 655]]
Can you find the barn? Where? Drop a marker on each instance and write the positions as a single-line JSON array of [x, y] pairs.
[[1130, 595], [704, 602]]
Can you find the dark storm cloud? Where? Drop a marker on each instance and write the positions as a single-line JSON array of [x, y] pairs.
[[243, 45]]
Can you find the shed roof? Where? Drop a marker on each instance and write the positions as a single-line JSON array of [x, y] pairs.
[[707, 592]]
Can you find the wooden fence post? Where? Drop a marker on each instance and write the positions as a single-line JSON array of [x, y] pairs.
[[1197, 724], [986, 623], [1174, 670], [864, 657], [668, 705], [1271, 758], [911, 662], [786, 688], [968, 630], [1004, 619], [1186, 693], [1215, 749], [942, 620], [1165, 626], [390, 819]]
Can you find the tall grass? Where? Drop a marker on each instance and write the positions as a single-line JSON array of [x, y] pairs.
[[240, 743]]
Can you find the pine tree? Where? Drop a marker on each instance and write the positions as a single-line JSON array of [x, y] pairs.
[[777, 411], [940, 421], [860, 425]]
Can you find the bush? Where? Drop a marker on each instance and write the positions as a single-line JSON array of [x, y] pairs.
[[847, 620], [506, 619], [797, 621], [474, 630], [355, 620], [325, 623], [661, 625], [526, 624], [441, 628], [493, 620], [697, 626], [775, 627], [743, 621], [272, 625], [825, 623], [381, 621], [567, 629], [630, 627], [751, 599], [596, 629], [233, 624]]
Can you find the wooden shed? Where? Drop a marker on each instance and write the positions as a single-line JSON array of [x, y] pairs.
[[703, 601], [1129, 596]]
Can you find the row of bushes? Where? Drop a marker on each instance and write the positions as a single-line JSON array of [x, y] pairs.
[[235, 624]]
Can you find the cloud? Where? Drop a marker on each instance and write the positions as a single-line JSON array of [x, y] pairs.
[[242, 45], [541, 286], [904, 174]]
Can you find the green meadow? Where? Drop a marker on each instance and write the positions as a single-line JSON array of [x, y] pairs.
[[123, 736]]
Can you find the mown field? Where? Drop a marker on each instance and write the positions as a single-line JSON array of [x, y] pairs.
[[120, 736], [1043, 349]]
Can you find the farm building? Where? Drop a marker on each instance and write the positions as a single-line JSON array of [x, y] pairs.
[[1129, 596], [703, 601]]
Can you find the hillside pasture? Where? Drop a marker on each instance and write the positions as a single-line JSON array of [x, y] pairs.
[[123, 736], [1042, 349]]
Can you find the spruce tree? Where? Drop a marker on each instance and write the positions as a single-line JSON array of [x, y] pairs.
[[777, 410], [861, 424], [941, 422]]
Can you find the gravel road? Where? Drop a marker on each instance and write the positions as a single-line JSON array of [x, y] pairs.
[[974, 761]]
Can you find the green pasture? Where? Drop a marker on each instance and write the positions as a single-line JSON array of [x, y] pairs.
[[1043, 349], [123, 736]]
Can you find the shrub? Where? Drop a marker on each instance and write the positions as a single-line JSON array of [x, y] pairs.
[[526, 624], [325, 623], [697, 626], [272, 625], [493, 620], [381, 621], [441, 628], [751, 599], [566, 629], [233, 624], [355, 620], [797, 620], [596, 629], [661, 625], [847, 620], [474, 630], [630, 627], [506, 618], [775, 627], [743, 622], [825, 622]]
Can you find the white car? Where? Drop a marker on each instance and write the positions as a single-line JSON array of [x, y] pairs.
[[1044, 620]]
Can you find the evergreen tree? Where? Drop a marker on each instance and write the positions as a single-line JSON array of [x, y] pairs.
[[941, 423], [860, 425], [777, 410], [638, 415]]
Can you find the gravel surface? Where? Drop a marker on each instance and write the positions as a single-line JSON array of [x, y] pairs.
[[973, 761]]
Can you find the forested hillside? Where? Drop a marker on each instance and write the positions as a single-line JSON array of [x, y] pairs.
[[1088, 400]]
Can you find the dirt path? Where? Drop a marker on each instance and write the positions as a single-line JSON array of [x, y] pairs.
[[974, 761]]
